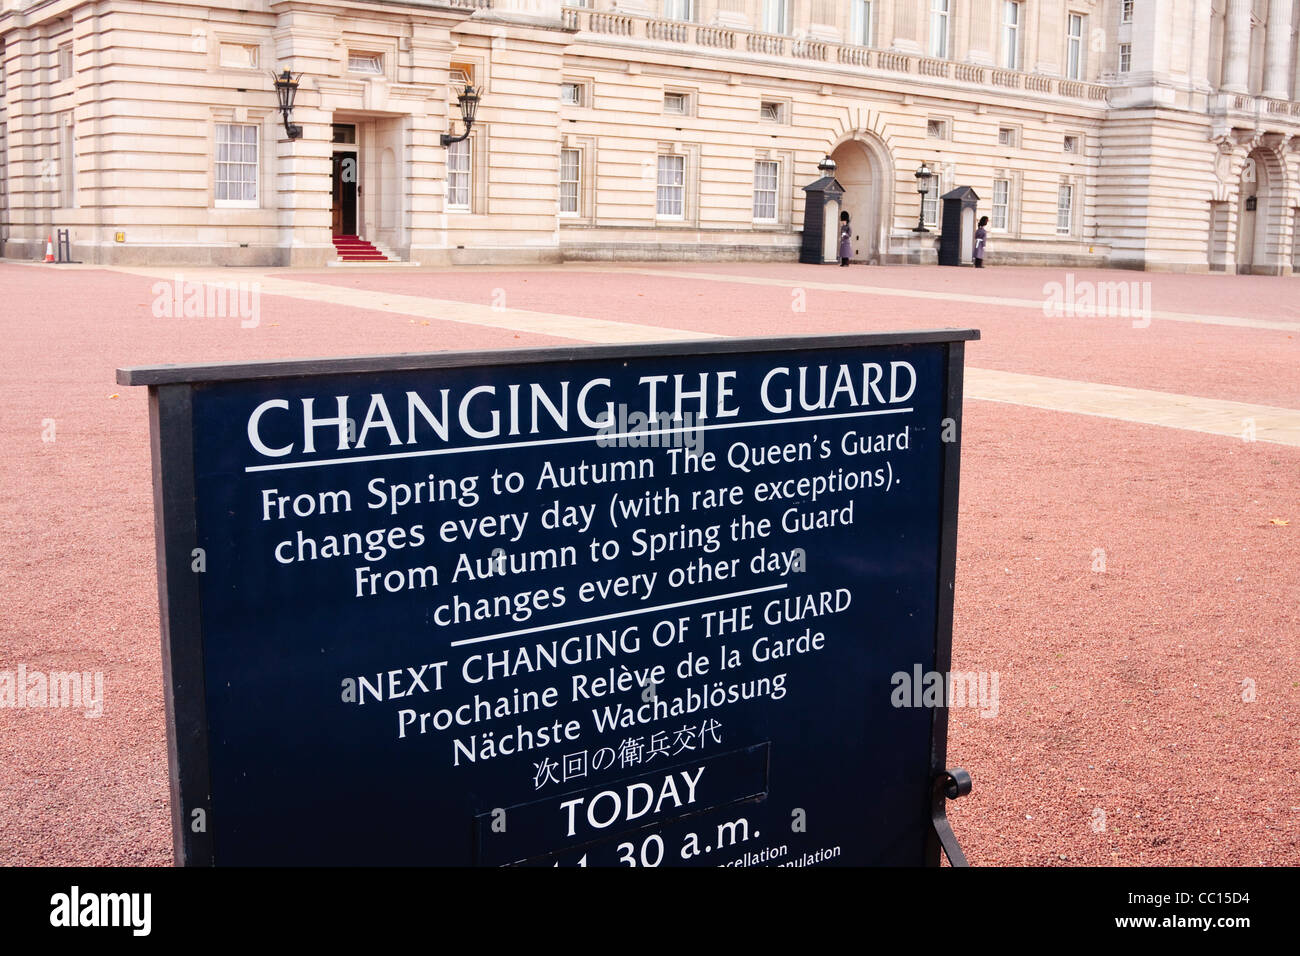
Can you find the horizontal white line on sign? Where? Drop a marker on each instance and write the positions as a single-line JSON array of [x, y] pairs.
[[610, 617], [289, 465]]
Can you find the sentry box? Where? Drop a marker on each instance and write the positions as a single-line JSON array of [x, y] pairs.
[[597, 606]]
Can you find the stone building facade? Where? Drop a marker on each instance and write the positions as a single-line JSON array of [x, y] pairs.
[[1158, 134]]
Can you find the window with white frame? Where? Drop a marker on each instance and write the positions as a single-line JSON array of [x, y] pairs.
[[930, 203], [1001, 204], [1125, 57], [670, 199], [570, 180], [1064, 209], [1070, 144], [571, 94], [1011, 35], [67, 163], [1006, 136], [1126, 11], [767, 176], [678, 104], [939, 28], [936, 128], [772, 111], [365, 62], [776, 16], [235, 177], [1074, 46], [65, 61], [860, 23], [458, 176], [679, 9]]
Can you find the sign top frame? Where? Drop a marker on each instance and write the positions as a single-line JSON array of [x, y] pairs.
[[154, 375]]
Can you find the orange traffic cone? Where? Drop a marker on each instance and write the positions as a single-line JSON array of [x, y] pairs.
[[49, 248]]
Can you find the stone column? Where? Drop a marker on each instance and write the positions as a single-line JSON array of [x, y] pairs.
[[1277, 50], [1236, 47]]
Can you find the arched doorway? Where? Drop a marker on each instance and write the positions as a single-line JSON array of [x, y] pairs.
[[1253, 182], [1260, 212], [860, 170]]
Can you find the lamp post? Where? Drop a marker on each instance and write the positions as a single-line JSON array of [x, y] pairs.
[[286, 87], [922, 174], [468, 100]]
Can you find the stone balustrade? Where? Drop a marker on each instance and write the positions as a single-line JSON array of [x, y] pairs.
[[685, 34]]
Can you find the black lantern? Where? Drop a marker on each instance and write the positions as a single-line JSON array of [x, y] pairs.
[[922, 174], [468, 100], [286, 87]]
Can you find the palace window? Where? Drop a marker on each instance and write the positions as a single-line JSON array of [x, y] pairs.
[[939, 28], [767, 175], [679, 9], [65, 61], [1074, 46], [67, 163], [936, 128], [570, 180], [458, 176], [670, 200], [860, 23], [1006, 136], [1011, 35], [235, 176], [1064, 209], [930, 204], [1126, 11], [571, 94], [776, 16], [365, 63], [1070, 144], [1001, 203], [677, 103], [1125, 57]]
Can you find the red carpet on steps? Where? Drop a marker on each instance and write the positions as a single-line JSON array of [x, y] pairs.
[[353, 249]]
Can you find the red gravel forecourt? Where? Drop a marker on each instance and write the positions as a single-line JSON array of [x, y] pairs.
[[1148, 712]]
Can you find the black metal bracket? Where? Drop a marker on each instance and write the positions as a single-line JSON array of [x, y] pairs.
[[448, 139], [948, 785]]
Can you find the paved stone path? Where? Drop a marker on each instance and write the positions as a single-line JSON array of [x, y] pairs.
[[1170, 410]]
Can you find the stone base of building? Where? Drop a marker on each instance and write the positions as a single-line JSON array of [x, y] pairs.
[[676, 252]]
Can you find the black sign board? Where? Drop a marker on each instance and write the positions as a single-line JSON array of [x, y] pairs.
[[594, 606]]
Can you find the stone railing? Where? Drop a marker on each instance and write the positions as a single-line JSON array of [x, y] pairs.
[[685, 34], [1245, 103]]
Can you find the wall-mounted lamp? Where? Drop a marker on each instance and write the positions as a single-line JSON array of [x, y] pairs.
[[286, 87], [468, 107], [922, 174]]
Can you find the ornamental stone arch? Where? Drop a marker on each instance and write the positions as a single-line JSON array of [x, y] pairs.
[[1264, 219], [865, 168]]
